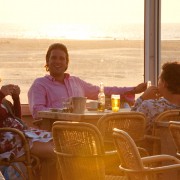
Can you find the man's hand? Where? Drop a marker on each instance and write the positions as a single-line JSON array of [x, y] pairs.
[[140, 88], [16, 91], [151, 93], [7, 89], [10, 89]]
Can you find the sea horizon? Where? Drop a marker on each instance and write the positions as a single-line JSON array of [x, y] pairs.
[[133, 31]]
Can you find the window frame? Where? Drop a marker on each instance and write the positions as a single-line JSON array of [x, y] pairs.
[[152, 40]]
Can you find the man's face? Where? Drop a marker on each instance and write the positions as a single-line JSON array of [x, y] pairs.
[[57, 62]]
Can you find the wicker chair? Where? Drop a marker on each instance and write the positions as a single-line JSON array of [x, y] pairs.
[[160, 130], [137, 168], [174, 128], [30, 161], [80, 151], [134, 124]]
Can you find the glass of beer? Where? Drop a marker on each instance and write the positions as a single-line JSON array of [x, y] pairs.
[[115, 102]]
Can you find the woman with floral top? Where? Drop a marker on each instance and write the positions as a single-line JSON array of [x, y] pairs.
[[40, 141], [166, 96]]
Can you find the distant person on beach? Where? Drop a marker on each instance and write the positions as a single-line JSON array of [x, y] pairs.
[[40, 141], [49, 91], [156, 100]]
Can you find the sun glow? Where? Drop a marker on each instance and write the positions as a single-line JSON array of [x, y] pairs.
[[70, 31], [79, 19]]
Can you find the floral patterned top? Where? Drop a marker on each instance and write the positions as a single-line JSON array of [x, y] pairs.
[[11, 145], [152, 108]]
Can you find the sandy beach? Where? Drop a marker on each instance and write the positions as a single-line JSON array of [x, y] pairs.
[[114, 62]]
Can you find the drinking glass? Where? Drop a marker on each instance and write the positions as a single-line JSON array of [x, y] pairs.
[[66, 104], [115, 102]]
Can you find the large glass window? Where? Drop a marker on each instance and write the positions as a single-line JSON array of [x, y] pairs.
[[170, 30], [105, 40]]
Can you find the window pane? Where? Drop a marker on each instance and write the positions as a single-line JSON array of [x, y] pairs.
[[105, 40], [170, 31]]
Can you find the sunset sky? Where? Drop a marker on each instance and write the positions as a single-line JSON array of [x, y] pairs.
[[82, 11]]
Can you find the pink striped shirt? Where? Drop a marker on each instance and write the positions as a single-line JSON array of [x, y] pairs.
[[47, 93]]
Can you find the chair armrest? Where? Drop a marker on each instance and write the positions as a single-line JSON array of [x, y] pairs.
[[111, 153], [152, 169], [143, 152], [160, 158], [78, 155], [16, 131]]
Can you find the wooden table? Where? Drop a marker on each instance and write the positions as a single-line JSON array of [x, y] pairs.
[[49, 117]]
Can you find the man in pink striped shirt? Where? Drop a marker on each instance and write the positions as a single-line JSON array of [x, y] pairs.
[[49, 91]]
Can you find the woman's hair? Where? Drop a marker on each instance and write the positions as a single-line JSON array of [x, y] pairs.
[[171, 75], [56, 46]]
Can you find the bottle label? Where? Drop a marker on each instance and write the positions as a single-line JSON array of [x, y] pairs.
[[101, 107]]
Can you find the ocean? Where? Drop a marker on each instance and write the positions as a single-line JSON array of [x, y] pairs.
[[131, 31]]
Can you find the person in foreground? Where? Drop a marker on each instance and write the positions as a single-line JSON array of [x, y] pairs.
[[156, 100], [49, 91], [40, 141]]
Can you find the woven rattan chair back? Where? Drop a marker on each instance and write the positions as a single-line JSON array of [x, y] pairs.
[[27, 159], [80, 151], [166, 116], [174, 128], [169, 115], [132, 122]]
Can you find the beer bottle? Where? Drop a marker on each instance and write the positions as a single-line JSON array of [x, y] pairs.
[[101, 98]]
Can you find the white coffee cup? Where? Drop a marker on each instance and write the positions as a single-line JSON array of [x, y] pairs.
[[78, 104], [92, 105]]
